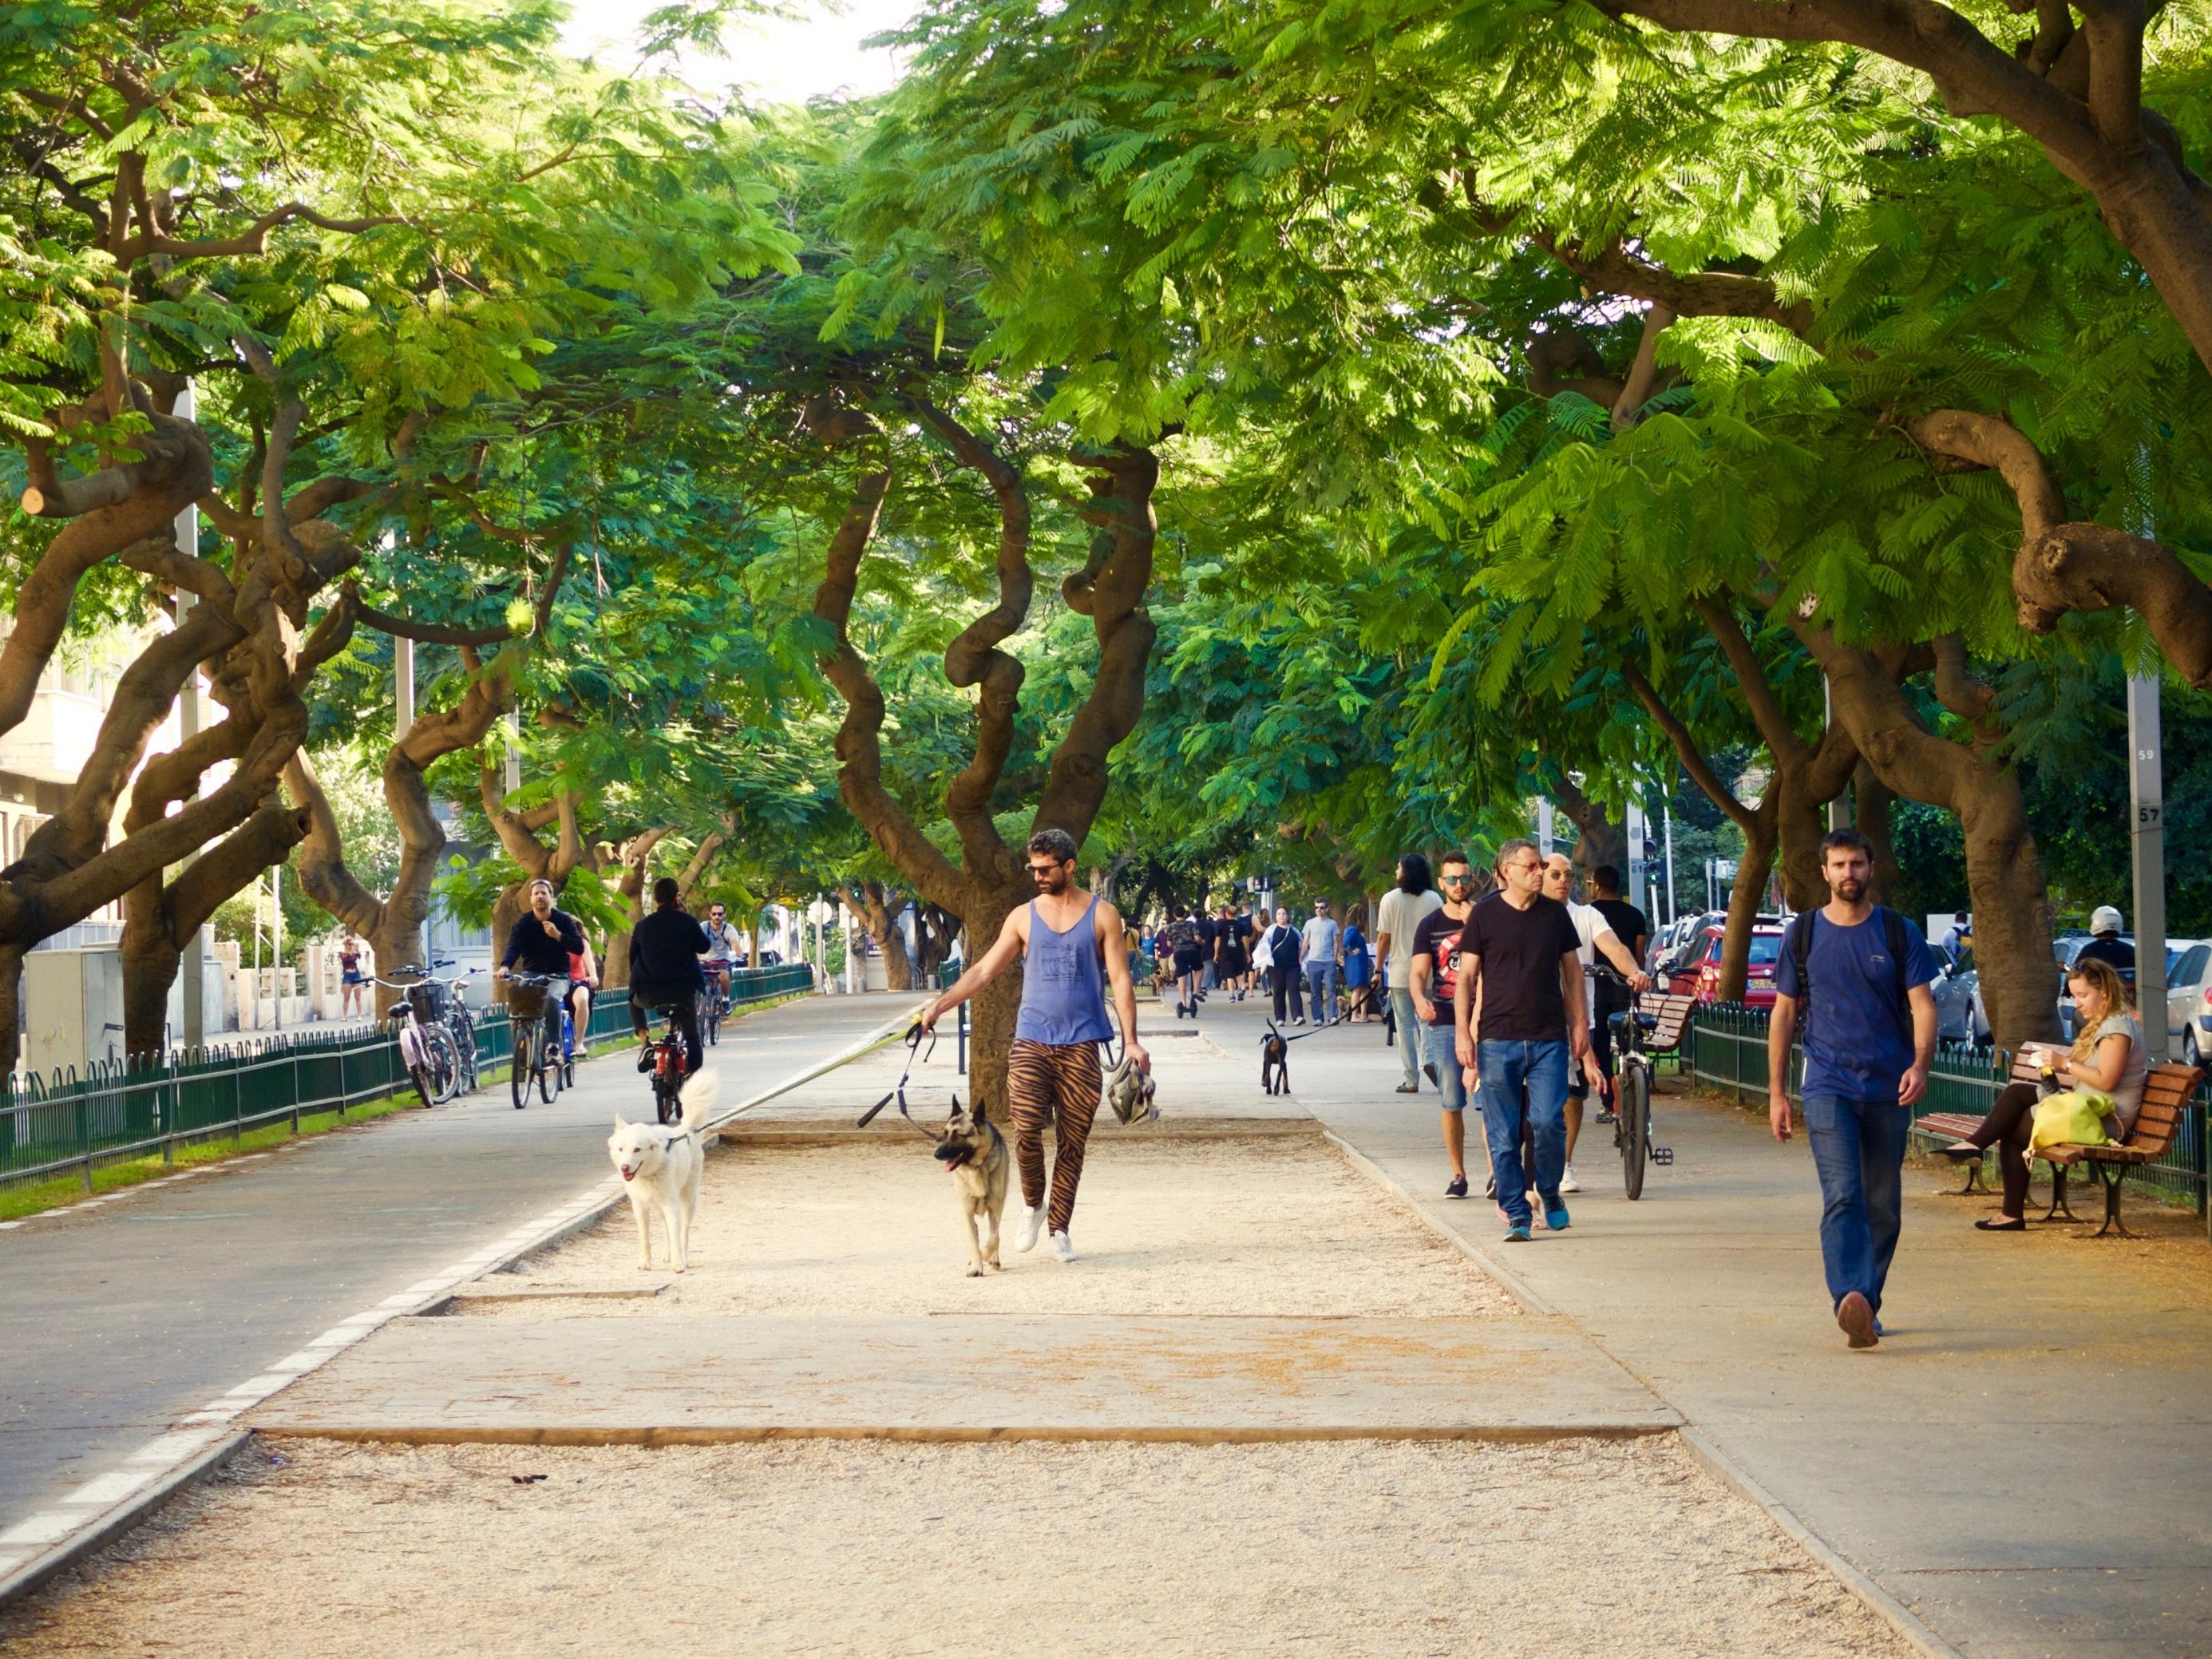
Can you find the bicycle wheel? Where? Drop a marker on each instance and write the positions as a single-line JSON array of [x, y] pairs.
[[1635, 1109], [465, 1049], [442, 1061], [549, 1061], [519, 1080], [665, 1106]]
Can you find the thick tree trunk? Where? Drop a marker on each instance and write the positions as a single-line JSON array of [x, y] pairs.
[[1804, 787], [11, 1007], [1875, 801], [1598, 839], [1744, 900], [991, 1036], [2004, 871], [876, 908]]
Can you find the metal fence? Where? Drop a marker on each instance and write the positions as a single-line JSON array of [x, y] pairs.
[[120, 1111], [1725, 1048]]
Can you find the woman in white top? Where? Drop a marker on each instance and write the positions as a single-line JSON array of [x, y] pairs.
[[2107, 1059]]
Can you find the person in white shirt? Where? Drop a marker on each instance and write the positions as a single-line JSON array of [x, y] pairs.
[[1402, 910], [1594, 934]]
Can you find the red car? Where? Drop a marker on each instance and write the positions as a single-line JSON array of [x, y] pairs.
[[1699, 973]]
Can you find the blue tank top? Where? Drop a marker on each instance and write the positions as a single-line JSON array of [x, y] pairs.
[[1063, 986]]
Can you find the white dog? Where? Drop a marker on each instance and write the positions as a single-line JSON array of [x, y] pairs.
[[660, 1166]]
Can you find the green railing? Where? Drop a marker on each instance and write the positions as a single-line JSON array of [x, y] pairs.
[[1725, 1049], [116, 1110]]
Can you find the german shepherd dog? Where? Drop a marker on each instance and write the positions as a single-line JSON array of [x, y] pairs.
[[974, 1153], [1274, 1062]]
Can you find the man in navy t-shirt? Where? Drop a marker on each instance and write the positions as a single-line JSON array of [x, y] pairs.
[[1869, 1022]]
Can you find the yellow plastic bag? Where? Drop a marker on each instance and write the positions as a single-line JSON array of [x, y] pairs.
[[2075, 1118]]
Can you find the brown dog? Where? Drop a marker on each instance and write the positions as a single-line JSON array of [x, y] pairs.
[[974, 1152]]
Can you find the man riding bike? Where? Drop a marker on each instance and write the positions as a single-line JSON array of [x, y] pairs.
[[722, 943], [665, 950]]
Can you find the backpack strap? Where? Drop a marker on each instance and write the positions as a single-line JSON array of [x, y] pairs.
[[1893, 928], [1799, 943]]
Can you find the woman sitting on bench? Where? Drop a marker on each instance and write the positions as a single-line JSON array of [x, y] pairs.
[[2107, 1057]]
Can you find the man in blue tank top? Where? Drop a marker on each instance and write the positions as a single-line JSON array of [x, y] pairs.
[[1071, 943]]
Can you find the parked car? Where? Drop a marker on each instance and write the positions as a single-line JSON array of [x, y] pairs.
[[1958, 994], [1698, 973], [2189, 999]]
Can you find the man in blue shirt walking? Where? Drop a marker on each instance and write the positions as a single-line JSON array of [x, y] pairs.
[[1858, 974]]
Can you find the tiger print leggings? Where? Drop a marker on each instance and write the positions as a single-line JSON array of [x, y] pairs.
[[1061, 1080]]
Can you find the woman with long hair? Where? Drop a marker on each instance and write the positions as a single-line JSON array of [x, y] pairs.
[[2106, 1062]]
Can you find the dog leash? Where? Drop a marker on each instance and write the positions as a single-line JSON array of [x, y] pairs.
[[913, 1049], [1303, 1035]]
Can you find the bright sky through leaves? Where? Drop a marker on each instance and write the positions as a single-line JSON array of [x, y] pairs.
[[776, 60]]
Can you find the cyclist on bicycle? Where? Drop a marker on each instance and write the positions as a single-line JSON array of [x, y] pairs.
[[722, 943], [665, 950], [543, 939]]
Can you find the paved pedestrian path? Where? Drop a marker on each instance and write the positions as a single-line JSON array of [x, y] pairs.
[[121, 1320], [2024, 1462]]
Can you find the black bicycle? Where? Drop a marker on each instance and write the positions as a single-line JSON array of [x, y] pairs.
[[537, 1047], [713, 1004], [1631, 1091], [664, 1061], [462, 1025]]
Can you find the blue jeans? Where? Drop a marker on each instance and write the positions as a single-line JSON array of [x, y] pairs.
[[1524, 1085], [1859, 1147], [1409, 1034], [1436, 1048], [1320, 977]]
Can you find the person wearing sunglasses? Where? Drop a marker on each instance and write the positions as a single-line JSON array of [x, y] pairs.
[[1070, 944], [1435, 983]]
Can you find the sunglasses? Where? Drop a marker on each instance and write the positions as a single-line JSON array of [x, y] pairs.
[[1042, 869], [1457, 881]]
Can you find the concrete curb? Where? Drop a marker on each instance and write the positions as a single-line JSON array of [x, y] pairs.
[[1529, 1300], [649, 1436], [1900, 1618], [115, 1522]]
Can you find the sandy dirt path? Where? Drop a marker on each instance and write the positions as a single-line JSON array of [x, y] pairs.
[[1279, 1225], [1620, 1547]]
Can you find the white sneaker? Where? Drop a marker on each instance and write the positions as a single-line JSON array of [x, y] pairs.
[[1062, 1248], [1567, 1181], [1032, 1224]]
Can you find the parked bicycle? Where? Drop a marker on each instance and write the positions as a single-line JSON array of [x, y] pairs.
[[665, 1066], [427, 1047], [540, 1053], [462, 1024], [1631, 1091]]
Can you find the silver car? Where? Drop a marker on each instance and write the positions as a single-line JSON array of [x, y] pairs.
[[1957, 991], [2189, 999]]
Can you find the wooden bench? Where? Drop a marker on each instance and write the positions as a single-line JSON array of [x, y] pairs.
[[1672, 1012], [1948, 1126], [2166, 1098]]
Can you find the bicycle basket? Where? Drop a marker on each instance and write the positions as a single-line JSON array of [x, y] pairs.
[[431, 1000], [525, 1001]]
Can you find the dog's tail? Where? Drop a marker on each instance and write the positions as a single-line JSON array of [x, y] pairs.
[[698, 1098]]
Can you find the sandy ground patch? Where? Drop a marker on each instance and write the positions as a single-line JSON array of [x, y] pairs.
[[1626, 1548], [1260, 1226]]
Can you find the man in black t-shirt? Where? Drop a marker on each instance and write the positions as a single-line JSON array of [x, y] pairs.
[[1435, 986], [1607, 999], [1519, 1022]]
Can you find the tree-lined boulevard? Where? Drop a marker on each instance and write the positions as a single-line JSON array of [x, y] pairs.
[[1259, 442]]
